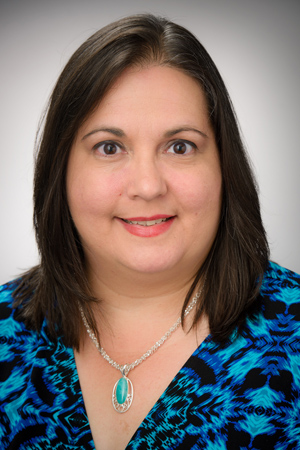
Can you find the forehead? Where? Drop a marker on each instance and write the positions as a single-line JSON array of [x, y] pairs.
[[156, 96]]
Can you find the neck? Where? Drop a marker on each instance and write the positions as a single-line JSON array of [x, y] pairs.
[[116, 308], [137, 307]]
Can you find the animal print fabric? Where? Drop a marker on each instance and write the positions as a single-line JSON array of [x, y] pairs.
[[240, 396]]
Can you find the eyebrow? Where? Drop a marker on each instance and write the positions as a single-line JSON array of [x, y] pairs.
[[116, 131], [120, 133], [179, 130]]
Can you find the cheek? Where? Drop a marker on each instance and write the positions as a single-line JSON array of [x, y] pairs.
[[211, 197], [201, 194], [92, 194]]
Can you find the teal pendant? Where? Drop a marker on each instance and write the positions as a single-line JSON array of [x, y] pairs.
[[122, 395], [122, 390]]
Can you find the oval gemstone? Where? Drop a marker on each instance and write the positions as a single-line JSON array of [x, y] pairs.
[[122, 390]]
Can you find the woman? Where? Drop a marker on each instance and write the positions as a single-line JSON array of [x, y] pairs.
[[151, 242]]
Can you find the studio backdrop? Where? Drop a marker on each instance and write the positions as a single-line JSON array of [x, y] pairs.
[[256, 47]]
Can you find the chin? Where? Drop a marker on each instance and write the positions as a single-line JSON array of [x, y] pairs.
[[155, 264], [151, 268]]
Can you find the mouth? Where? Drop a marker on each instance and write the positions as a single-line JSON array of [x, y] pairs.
[[147, 226], [147, 223]]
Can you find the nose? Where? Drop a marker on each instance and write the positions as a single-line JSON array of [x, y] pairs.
[[146, 180]]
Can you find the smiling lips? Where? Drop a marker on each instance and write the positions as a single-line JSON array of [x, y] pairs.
[[147, 226], [145, 223]]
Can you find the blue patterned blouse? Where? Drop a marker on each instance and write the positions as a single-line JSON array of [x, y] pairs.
[[245, 395]]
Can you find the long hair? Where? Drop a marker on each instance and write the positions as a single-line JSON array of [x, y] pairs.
[[236, 262]]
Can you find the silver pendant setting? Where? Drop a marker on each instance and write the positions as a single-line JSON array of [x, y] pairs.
[[123, 407], [122, 395]]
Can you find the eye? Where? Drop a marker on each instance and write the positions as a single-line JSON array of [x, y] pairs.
[[107, 148], [182, 148]]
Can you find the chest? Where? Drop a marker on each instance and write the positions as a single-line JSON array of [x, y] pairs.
[[112, 430]]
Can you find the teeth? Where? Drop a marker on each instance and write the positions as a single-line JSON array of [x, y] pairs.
[[146, 223]]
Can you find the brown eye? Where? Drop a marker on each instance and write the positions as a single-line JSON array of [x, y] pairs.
[[182, 148], [110, 149], [107, 148], [179, 148]]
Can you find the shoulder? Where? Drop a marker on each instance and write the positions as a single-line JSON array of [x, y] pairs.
[[280, 290], [8, 323], [278, 317], [40, 397], [275, 275], [6, 293], [16, 339]]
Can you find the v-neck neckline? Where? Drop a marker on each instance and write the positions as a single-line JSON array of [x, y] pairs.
[[208, 340]]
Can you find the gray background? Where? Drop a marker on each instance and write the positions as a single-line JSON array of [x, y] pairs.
[[256, 46]]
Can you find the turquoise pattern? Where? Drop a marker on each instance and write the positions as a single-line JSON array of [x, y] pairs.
[[240, 396]]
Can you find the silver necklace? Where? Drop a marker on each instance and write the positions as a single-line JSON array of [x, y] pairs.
[[122, 395]]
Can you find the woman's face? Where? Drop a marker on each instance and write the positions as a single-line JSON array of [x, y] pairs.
[[144, 181]]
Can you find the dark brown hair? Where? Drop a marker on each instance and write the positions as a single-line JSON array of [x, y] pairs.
[[236, 262]]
